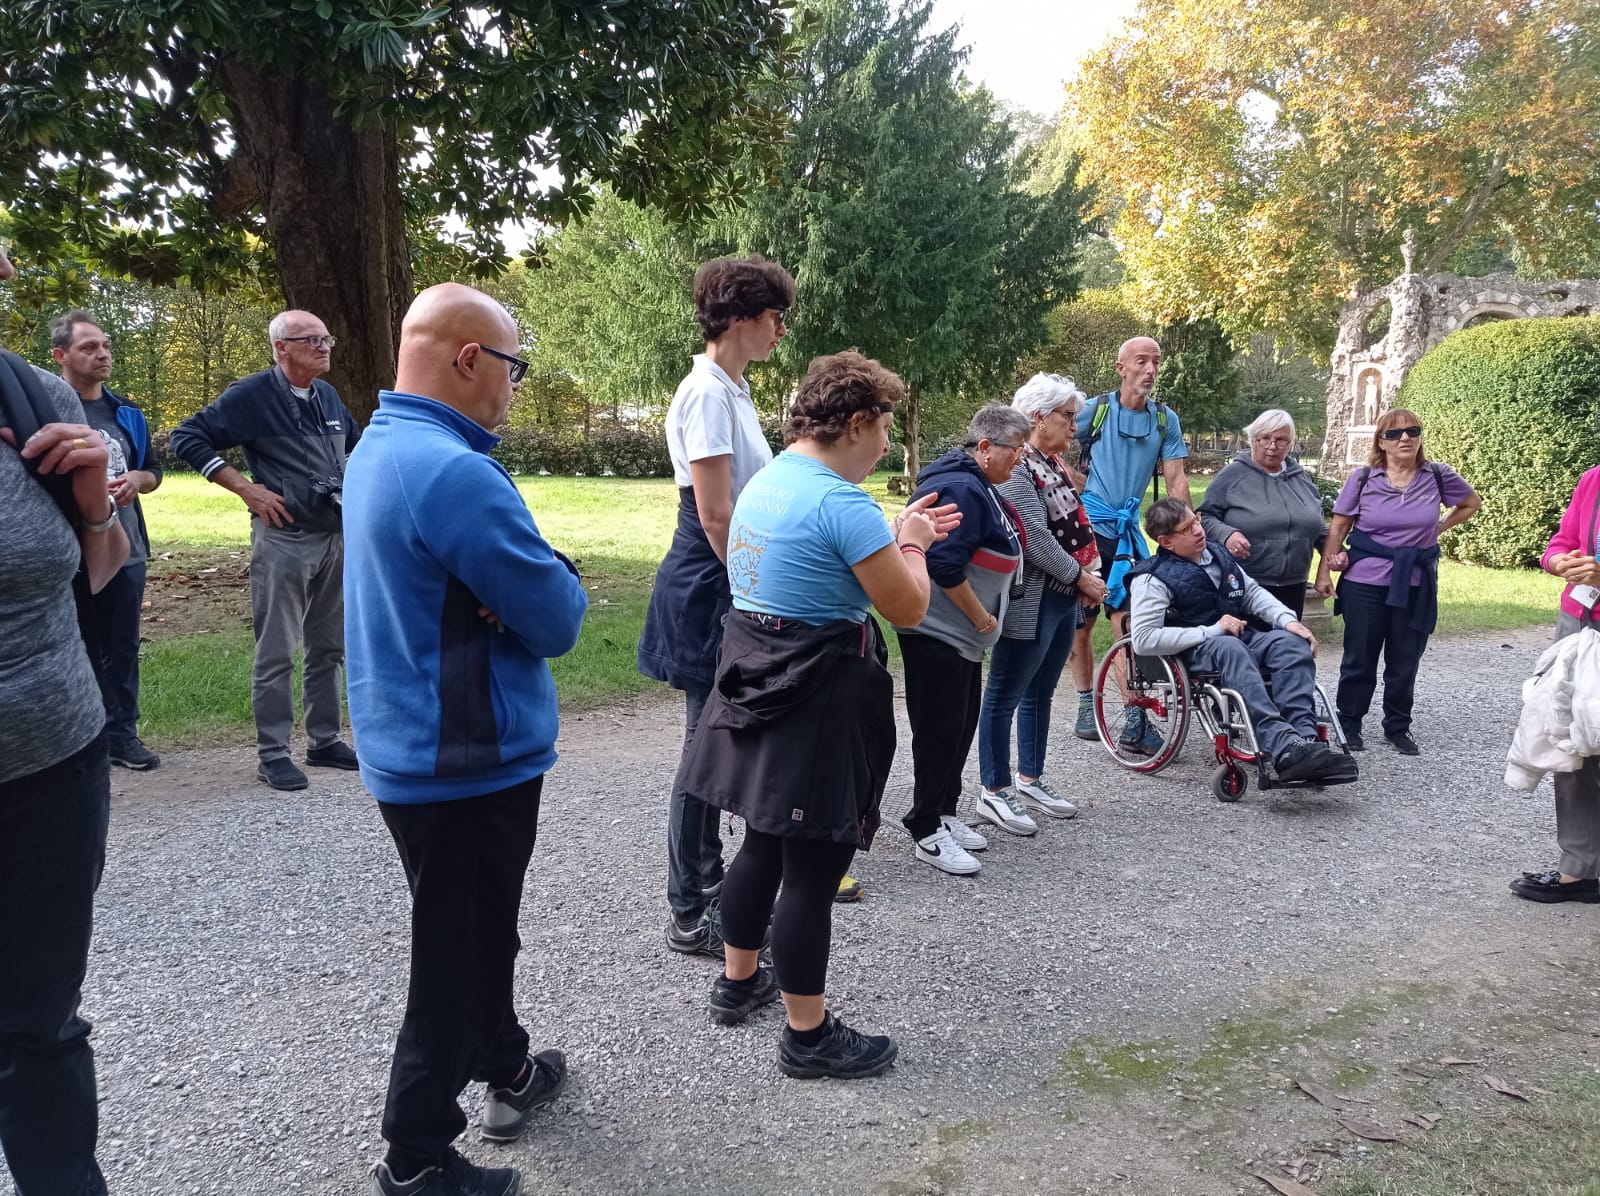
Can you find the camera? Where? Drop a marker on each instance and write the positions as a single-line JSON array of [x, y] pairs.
[[329, 491]]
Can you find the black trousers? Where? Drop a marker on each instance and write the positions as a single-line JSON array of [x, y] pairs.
[[809, 871], [117, 610], [944, 692], [52, 852], [1293, 596], [1373, 628], [465, 862]]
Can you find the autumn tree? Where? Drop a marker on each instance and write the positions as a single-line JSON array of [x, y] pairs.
[[164, 136], [1261, 158]]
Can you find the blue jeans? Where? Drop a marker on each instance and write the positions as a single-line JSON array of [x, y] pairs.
[[52, 852], [1287, 714], [694, 832], [1022, 680]]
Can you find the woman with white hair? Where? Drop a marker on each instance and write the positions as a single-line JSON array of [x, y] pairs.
[[1264, 508], [1060, 573]]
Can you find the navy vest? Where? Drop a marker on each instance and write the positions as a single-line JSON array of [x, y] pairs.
[[1196, 601]]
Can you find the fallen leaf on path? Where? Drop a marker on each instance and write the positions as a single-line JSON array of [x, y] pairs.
[[1423, 1120], [1452, 1061], [1287, 1187], [1326, 1097], [1370, 1130], [1503, 1088]]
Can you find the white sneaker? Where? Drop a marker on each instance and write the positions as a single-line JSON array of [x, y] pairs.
[[945, 854], [1041, 797], [963, 834], [1005, 809]]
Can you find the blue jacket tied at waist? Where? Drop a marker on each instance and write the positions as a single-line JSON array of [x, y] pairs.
[[1131, 544], [1425, 612]]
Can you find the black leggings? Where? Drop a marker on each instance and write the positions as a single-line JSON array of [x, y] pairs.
[[802, 924]]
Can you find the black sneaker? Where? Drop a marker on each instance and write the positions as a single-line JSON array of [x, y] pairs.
[[454, 1177], [732, 1000], [1300, 762], [843, 1054], [702, 937], [1547, 887], [281, 773], [1352, 736], [130, 753], [333, 755], [1404, 744], [507, 1111]]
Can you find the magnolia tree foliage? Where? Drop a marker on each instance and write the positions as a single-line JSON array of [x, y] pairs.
[[1261, 158], [162, 135]]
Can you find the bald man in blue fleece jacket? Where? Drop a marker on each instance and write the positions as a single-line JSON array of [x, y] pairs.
[[453, 605]]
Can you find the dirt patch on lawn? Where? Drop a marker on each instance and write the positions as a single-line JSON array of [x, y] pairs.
[[196, 590]]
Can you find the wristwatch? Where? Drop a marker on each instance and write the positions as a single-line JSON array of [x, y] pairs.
[[105, 525]]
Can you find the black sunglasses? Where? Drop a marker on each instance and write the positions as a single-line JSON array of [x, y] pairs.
[[1396, 433], [518, 366]]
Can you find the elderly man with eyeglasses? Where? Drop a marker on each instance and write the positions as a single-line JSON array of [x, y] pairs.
[[296, 433]]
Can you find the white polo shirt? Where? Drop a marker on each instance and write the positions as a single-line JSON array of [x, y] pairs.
[[713, 416]]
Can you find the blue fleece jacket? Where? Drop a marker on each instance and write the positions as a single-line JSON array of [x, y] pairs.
[[443, 704]]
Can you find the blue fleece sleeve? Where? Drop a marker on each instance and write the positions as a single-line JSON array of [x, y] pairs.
[[948, 558], [474, 521], [223, 424]]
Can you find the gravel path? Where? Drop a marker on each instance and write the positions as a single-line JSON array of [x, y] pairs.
[[250, 959]]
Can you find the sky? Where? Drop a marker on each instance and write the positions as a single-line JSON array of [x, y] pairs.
[[1024, 49]]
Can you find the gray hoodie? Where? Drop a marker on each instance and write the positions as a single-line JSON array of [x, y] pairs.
[[1280, 514]]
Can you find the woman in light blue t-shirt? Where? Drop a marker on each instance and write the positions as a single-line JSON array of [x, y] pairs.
[[798, 732]]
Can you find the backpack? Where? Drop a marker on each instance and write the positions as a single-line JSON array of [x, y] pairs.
[[1366, 472], [1098, 407]]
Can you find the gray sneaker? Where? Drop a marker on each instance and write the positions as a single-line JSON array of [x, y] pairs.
[[507, 1111], [454, 1177], [1043, 798]]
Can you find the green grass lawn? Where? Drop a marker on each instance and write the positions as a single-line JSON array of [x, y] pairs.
[[195, 684]]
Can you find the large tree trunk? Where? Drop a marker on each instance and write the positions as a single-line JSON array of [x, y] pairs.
[[335, 216]]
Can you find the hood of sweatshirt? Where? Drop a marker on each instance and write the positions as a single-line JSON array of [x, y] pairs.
[[956, 461], [1291, 465]]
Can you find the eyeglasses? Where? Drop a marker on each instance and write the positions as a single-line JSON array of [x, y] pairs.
[[782, 314], [318, 342], [1149, 426], [1273, 441], [518, 366], [1396, 433]]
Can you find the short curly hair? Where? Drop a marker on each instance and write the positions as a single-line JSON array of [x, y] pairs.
[[730, 288], [834, 389]]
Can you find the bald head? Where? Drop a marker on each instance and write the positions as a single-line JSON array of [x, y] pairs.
[[1138, 362], [442, 352]]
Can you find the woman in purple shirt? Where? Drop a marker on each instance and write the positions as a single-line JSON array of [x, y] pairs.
[[1386, 528]]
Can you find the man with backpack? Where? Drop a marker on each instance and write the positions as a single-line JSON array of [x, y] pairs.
[[1125, 437]]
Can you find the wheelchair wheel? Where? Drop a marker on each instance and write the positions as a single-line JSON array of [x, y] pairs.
[[1159, 689], [1228, 782]]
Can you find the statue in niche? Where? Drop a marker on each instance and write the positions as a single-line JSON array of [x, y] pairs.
[[1369, 397], [1408, 248]]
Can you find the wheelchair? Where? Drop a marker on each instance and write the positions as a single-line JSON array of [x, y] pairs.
[[1172, 695]]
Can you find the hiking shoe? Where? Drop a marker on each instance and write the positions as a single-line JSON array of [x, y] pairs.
[[734, 1000], [1352, 736], [281, 773], [1300, 762], [130, 753], [703, 936], [333, 755], [1404, 744], [850, 889], [454, 1177], [1085, 727], [843, 1053], [711, 892], [945, 854], [507, 1111], [1041, 797], [1005, 809], [1547, 887], [963, 834], [1138, 736]]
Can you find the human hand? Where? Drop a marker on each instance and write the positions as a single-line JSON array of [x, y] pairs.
[[489, 617], [1304, 632], [126, 488], [1238, 545], [1581, 570], [1324, 586], [268, 504], [1090, 587], [1338, 562], [75, 449], [922, 523], [1231, 625]]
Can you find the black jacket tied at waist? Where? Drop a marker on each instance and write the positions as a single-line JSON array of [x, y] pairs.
[[798, 734], [683, 623], [1425, 611]]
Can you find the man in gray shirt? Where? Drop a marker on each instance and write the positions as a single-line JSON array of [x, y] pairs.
[[55, 790], [83, 351]]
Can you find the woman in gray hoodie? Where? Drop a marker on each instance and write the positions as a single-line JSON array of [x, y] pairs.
[[1264, 508]]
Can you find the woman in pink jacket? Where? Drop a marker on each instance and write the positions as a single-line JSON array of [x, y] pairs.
[[1572, 555]]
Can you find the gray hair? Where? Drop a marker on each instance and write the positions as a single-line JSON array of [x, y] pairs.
[[997, 422], [277, 329], [63, 327], [1043, 393], [1270, 420]]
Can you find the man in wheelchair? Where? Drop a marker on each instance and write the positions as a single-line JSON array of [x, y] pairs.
[[1191, 599]]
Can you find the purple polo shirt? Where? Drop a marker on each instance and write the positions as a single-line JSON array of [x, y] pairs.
[[1406, 518]]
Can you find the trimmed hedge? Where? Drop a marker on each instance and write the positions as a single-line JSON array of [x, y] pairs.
[[1514, 406]]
